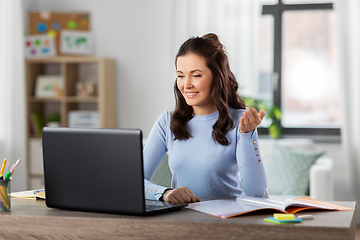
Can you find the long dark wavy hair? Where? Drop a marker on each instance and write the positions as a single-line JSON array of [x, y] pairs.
[[224, 88]]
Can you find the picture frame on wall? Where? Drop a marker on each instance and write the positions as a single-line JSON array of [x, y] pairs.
[[76, 42], [39, 46], [48, 86]]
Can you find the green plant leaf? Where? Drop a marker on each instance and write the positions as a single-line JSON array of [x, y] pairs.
[[53, 117], [271, 112], [277, 113], [274, 131]]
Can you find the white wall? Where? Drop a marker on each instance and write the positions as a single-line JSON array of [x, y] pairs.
[[138, 34]]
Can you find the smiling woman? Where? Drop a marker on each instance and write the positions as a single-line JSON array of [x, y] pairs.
[[210, 137]]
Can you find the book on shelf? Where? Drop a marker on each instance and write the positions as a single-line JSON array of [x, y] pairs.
[[225, 208], [36, 123], [31, 125]]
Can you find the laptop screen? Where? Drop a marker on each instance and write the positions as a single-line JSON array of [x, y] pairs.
[[98, 170]]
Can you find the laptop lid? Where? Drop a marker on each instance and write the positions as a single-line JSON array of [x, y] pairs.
[[98, 170]]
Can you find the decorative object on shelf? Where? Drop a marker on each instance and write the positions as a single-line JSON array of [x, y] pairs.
[[76, 42], [83, 119], [272, 113], [49, 86], [53, 120], [39, 46], [52, 23], [86, 89]]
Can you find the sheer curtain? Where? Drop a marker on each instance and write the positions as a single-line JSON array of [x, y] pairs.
[[12, 91], [236, 22], [348, 15]]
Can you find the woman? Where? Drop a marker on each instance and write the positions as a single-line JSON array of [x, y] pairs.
[[210, 136]]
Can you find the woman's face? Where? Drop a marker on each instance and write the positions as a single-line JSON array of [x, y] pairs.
[[194, 80]]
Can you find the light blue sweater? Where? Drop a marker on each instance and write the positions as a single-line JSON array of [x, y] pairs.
[[207, 168]]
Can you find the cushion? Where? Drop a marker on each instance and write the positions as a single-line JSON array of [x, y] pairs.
[[288, 170], [162, 175]]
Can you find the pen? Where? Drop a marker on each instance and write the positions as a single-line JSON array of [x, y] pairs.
[[13, 166], [4, 201], [38, 191], [2, 170], [8, 175], [3, 192], [11, 169], [4, 196]]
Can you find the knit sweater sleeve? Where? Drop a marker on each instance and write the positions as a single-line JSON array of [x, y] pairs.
[[252, 172], [153, 153]]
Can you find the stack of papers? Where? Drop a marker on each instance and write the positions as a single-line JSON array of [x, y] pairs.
[[31, 194]]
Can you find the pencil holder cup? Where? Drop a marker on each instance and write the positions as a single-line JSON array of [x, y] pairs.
[[5, 200]]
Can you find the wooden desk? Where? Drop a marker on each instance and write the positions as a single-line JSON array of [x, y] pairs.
[[31, 219]]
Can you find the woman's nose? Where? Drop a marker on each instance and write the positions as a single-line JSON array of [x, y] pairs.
[[187, 83]]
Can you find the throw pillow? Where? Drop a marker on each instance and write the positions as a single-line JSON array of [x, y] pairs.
[[162, 175], [288, 170]]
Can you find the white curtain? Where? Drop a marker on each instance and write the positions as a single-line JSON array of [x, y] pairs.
[[12, 90], [236, 22], [348, 16]]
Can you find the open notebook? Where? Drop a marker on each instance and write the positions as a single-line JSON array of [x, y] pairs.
[[243, 205]]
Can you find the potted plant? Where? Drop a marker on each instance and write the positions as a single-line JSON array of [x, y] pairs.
[[272, 113], [53, 120]]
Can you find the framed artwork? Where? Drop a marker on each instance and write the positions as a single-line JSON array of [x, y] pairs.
[[39, 46], [49, 86], [76, 42]]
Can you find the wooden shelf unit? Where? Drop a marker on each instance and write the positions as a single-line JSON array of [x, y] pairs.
[[72, 70]]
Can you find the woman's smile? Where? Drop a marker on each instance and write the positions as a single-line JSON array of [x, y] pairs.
[[191, 94]]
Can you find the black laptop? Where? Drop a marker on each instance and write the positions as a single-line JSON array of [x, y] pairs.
[[97, 170]]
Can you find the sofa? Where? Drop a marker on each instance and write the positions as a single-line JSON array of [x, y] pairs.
[[320, 175], [315, 175]]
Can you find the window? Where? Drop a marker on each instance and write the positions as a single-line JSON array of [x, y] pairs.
[[298, 65]]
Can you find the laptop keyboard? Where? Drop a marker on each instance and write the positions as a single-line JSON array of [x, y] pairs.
[[154, 205]]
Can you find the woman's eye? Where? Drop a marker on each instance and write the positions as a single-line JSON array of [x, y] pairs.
[[180, 76], [197, 76]]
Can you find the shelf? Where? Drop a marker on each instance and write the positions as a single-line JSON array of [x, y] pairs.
[[63, 99], [81, 99], [65, 59], [34, 136], [35, 99], [78, 74]]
